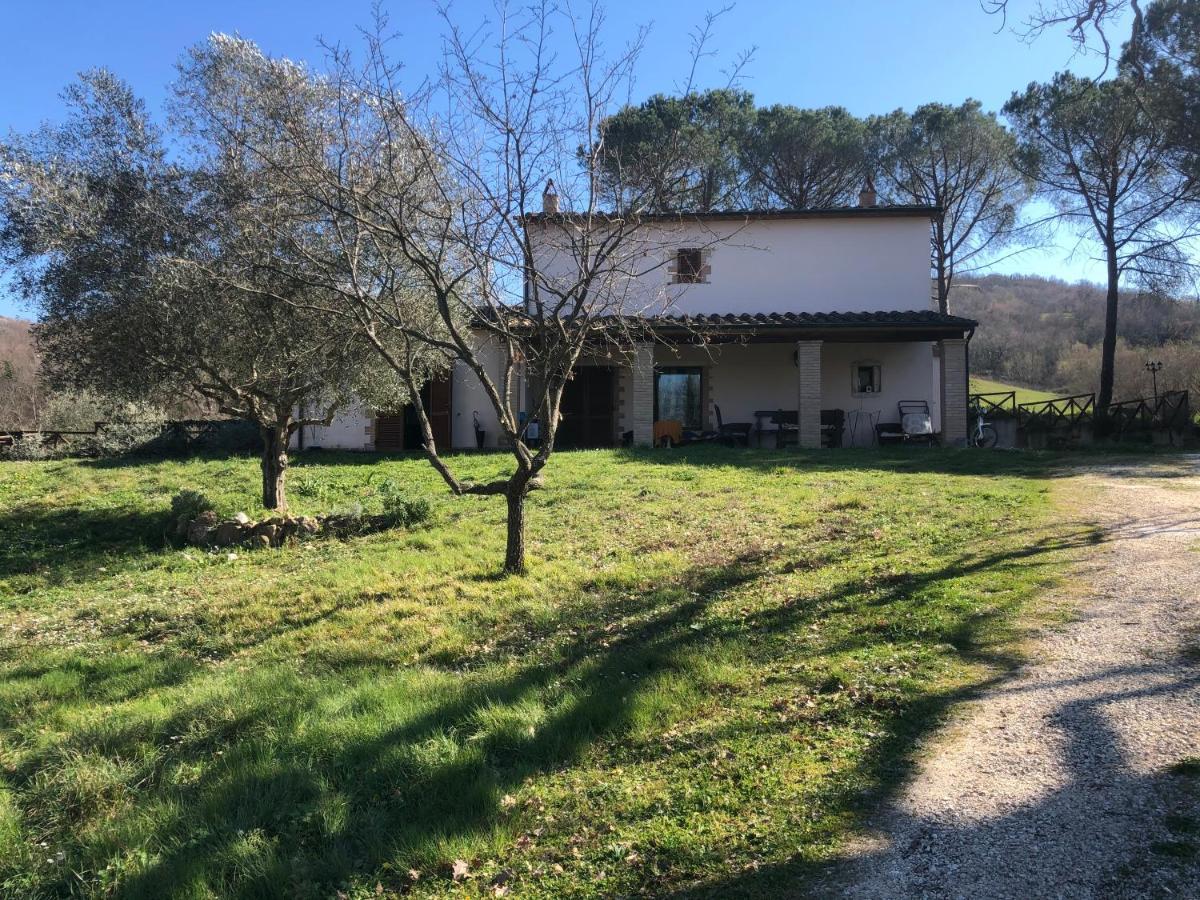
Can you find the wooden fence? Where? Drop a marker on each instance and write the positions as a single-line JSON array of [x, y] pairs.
[[1046, 415], [1001, 404], [1167, 412], [187, 433]]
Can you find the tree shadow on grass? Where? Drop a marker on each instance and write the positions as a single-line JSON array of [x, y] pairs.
[[1106, 831], [306, 781], [68, 544], [61, 544], [922, 460]]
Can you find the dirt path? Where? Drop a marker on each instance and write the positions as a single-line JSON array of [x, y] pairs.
[[1064, 781]]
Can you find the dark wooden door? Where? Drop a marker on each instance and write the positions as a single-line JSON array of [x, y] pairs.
[[437, 396], [389, 432], [402, 431], [588, 404]]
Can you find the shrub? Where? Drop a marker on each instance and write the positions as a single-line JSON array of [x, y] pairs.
[[30, 446], [400, 507], [186, 506], [406, 511], [128, 427], [118, 437]]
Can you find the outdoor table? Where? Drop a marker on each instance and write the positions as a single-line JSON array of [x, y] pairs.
[[855, 416], [772, 415]]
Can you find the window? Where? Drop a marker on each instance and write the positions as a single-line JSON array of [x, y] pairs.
[[865, 379], [677, 396], [689, 266]]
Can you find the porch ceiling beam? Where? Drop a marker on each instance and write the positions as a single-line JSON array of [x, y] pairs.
[[788, 336]]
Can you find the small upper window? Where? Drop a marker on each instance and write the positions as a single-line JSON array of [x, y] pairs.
[[689, 266], [866, 379]]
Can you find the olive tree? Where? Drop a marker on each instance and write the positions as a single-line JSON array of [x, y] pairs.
[[124, 252]]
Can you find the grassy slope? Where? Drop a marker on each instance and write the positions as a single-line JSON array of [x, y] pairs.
[[1024, 395], [718, 657]]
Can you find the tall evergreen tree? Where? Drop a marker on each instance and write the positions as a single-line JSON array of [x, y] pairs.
[[677, 154], [958, 159], [805, 158], [1107, 164]]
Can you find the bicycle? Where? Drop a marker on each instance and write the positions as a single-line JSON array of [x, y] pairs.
[[982, 435]]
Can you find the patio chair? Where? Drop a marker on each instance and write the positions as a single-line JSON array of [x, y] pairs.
[[668, 433], [915, 425], [732, 432], [833, 426], [916, 422], [787, 427]]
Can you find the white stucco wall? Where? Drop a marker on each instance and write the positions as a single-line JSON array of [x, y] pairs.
[[780, 265], [469, 397], [348, 431], [908, 372], [844, 264], [745, 378], [351, 430]]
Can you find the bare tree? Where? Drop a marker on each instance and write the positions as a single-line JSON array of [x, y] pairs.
[[441, 188], [1089, 23]]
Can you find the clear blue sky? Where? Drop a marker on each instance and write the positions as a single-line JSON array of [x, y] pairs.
[[870, 56]]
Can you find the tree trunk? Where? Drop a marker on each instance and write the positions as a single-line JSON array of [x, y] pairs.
[[518, 488], [1108, 351], [943, 283], [514, 552], [274, 465]]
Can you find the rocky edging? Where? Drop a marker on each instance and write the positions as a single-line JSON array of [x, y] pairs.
[[209, 530]]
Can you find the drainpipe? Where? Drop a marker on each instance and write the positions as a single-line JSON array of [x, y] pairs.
[[967, 376]]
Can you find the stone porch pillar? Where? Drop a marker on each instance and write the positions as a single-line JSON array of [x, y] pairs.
[[954, 391], [808, 380], [641, 399]]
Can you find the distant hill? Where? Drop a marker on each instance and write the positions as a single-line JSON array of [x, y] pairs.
[[24, 404], [15, 340], [1046, 333], [18, 373]]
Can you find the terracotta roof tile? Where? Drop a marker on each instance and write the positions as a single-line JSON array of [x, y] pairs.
[[924, 317]]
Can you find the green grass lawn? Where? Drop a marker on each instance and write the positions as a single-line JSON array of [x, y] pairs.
[[1024, 395], [718, 661]]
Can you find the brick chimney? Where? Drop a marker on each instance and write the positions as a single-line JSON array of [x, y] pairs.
[[550, 199], [866, 197]]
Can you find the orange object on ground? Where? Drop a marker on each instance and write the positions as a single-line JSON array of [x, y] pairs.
[[668, 428]]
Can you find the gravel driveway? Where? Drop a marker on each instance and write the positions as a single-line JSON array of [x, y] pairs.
[[1065, 780]]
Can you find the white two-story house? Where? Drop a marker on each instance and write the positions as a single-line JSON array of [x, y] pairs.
[[765, 318]]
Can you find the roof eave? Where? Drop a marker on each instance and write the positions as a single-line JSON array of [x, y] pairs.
[[750, 215]]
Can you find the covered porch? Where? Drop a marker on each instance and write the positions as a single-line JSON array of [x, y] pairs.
[[807, 380]]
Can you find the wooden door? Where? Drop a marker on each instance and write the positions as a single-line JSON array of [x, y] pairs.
[[437, 396], [588, 405], [389, 432], [402, 431]]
